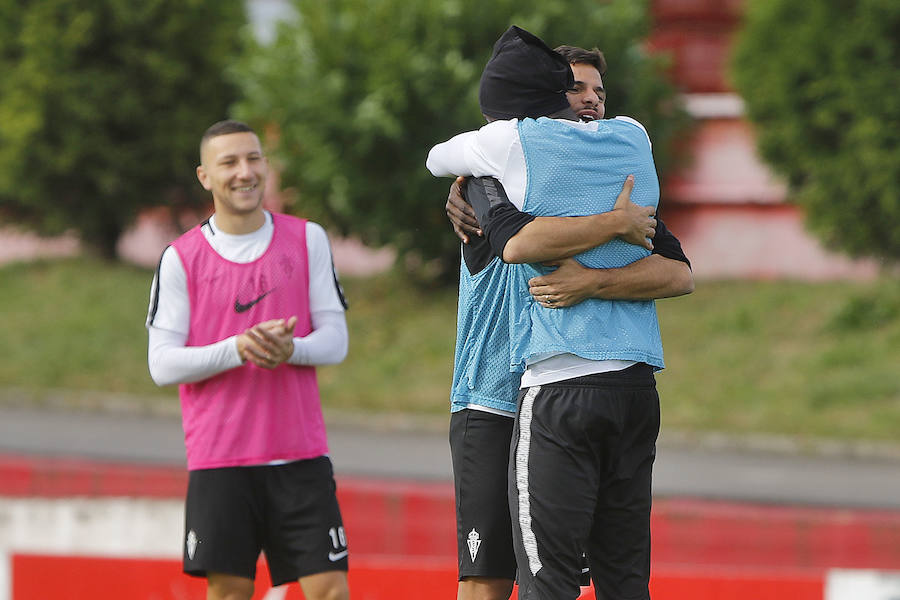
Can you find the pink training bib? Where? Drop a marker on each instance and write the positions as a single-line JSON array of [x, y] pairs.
[[249, 415]]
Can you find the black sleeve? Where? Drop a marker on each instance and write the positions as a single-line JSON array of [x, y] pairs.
[[667, 245], [477, 254], [499, 218]]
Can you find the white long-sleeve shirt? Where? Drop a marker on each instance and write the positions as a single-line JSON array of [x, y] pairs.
[[495, 150], [169, 314]]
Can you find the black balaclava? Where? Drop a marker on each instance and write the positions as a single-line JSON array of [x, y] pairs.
[[524, 78]]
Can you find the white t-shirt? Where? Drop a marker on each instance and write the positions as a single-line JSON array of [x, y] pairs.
[[495, 150], [169, 315]]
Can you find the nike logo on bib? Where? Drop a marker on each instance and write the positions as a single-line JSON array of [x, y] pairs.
[[239, 308], [336, 556]]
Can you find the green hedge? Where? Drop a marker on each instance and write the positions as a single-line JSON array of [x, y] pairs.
[[360, 90], [820, 80]]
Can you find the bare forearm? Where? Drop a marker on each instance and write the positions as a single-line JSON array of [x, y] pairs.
[[552, 238], [646, 279]]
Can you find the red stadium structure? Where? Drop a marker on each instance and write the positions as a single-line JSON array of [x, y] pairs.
[[402, 541]]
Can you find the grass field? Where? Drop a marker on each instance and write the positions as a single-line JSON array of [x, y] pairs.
[[811, 360]]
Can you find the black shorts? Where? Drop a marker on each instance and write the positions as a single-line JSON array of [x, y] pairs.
[[479, 447], [582, 468], [289, 511]]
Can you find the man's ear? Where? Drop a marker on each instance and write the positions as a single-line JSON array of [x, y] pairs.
[[203, 177]]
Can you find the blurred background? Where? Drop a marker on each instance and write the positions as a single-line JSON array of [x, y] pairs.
[[776, 132]]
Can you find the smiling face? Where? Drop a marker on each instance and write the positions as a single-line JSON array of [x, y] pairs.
[[587, 98], [233, 167]]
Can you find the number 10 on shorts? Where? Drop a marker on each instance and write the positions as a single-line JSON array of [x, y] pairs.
[[338, 537]]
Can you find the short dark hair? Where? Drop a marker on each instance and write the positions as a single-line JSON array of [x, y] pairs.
[[576, 55], [224, 128]]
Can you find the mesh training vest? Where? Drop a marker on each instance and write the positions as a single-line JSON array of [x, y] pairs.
[[249, 415], [481, 366], [577, 172]]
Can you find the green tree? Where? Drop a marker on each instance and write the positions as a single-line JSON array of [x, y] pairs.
[[820, 81], [359, 90], [102, 103]]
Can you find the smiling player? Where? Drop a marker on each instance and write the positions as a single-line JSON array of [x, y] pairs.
[[241, 309]]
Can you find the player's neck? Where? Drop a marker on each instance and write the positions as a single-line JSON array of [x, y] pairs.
[[240, 224]]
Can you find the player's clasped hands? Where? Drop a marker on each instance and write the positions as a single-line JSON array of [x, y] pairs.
[[268, 344]]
